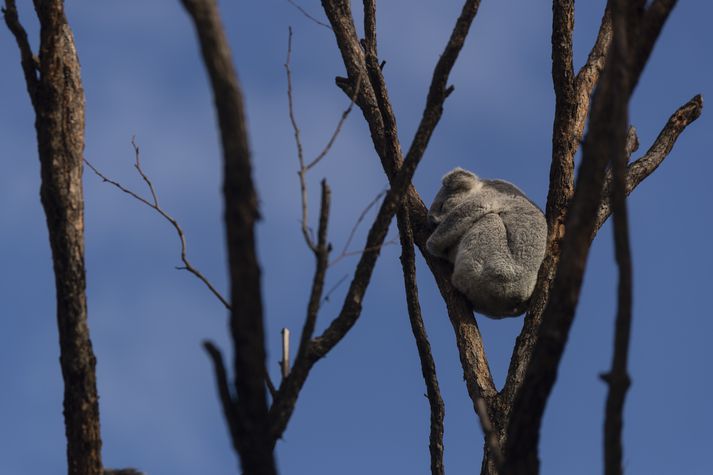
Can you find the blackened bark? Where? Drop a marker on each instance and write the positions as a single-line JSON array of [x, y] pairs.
[[55, 88]]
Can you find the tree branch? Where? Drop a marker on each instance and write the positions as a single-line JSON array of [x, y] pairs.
[[30, 63], [289, 390], [375, 105], [153, 204], [428, 366], [606, 138], [226, 400], [618, 377], [241, 213], [659, 150]]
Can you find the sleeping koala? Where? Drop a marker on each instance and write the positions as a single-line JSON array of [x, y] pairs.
[[495, 238]]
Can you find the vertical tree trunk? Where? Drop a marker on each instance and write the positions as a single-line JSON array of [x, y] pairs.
[[55, 88]]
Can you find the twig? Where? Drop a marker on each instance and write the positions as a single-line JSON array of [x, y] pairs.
[[284, 404], [306, 13], [156, 207], [343, 255], [304, 168], [331, 290], [353, 231], [428, 366]]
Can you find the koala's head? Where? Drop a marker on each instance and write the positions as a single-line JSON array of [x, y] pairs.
[[456, 186]]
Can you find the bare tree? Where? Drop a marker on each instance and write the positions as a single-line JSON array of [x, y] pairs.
[[510, 417]]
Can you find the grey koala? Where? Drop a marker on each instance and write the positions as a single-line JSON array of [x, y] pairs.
[[495, 238]]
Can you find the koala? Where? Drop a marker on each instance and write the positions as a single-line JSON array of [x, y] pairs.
[[494, 236]]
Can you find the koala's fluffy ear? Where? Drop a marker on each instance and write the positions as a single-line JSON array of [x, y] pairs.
[[459, 179]]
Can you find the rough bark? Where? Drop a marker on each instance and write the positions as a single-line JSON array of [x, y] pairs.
[[55, 88]]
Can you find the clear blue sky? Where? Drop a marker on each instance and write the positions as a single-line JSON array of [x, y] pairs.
[[362, 409]]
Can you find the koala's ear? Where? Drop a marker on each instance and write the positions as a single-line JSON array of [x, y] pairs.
[[459, 179]]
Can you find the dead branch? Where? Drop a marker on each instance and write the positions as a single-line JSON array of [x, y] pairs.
[[54, 85], [428, 366], [306, 14], [571, 108], [305, 167], [659, 150], [30, 62], [241, 212], [317, 348], [606, 139], [321, 254], [153, 204], [618, 377], [345, 251]]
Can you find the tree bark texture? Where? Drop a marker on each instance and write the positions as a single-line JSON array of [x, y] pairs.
[[55, 88]]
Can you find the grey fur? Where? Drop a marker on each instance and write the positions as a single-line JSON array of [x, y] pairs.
[[494, 236]]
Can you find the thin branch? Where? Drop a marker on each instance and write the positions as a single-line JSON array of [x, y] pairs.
[[155, 206], [300, 153], [338, 129], [370, 27], [659, 150], [618, 377], [306, 13], [344, 255], [226, 399], [30, 63], [331, 290], [304, 168], [352, 233], [284, 404], [321, 255], [428, 366]]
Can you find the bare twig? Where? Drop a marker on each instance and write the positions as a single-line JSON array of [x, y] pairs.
[[345, 254], [345, 251], [153, 204], [306, 13], [428, 366], [331, 290], [284, 404], [305, 167]]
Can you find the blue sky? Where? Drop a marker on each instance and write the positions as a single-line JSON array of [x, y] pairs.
[[362, 409]]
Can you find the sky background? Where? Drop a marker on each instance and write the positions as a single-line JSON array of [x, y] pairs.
[[362, 409]]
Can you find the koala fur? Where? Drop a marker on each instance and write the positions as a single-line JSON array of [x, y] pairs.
[[495, 238]]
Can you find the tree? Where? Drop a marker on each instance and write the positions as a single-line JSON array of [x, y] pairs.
[[367, 85]]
